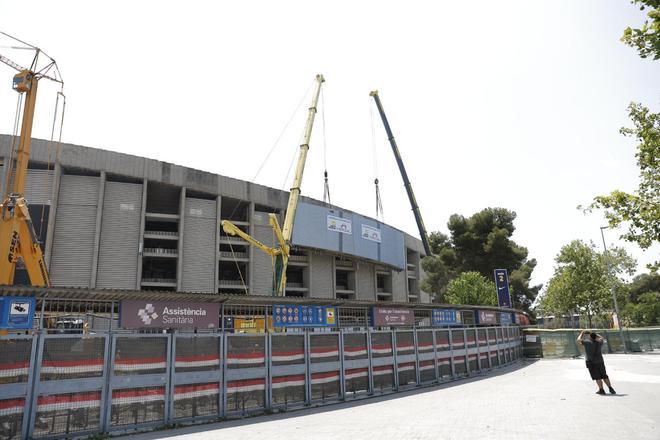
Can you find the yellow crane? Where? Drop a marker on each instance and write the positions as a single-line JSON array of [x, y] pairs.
[[280, 254], [17, 237]]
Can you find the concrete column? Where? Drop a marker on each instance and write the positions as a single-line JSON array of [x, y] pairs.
[[218, 207], [97, 233], [143, 210], [179, 260], [251, 249], [57, 174]]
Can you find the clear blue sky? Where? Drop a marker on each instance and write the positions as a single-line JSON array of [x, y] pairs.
[[511, 104]]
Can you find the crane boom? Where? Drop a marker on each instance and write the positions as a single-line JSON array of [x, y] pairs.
[[280, 253], [404, 174]]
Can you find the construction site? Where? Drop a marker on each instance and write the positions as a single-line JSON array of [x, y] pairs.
[[162, 294]]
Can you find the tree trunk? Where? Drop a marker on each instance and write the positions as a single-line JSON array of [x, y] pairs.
[[589, 318]]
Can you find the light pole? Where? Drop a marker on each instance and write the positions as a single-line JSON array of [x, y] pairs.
[[609, 274]]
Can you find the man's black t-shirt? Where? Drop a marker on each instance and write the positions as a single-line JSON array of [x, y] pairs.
[[592, 351]]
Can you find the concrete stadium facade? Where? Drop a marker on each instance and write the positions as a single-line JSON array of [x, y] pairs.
[[108, 220]]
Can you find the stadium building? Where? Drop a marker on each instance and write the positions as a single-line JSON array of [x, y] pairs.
[[108, 220]]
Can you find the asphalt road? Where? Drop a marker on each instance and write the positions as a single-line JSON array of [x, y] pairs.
[[546, 399]]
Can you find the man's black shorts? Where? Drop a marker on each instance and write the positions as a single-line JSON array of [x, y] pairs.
[[597, 370]]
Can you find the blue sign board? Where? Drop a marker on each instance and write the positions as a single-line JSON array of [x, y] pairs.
[[505, 318], [446, 317], [16, 312], [502, 283], [290, 315]]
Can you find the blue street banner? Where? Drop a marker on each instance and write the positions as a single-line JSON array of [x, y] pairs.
[[290, 315], [505, 318], [446, 317], [502, 283], [16, 312]]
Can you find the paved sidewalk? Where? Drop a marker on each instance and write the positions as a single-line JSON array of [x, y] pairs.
[[547, 399]]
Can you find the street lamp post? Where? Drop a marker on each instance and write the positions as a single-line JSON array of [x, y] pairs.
[[609, 274]]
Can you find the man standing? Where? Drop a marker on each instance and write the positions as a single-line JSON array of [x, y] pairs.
[[595, 363]]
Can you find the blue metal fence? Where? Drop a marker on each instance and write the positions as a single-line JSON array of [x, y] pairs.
[[63, 385]]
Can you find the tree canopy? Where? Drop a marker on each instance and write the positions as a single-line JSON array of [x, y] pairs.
[[640, 212], [646, 38], [581, 282], [480, 244], [471, 288]]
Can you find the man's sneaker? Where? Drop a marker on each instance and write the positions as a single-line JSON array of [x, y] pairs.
[[601, 392], [612, 391]]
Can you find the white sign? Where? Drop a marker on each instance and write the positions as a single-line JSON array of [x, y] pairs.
[[371, 233], [19, 308], [126, 207], [196, 212], [530, 338], [339, 225]]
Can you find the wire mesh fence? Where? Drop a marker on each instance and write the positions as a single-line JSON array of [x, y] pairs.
[[64, 385]]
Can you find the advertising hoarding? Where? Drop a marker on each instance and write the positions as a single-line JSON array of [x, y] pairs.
[[168, 314], [446, 317], [505, 318], [16, 312], [502, 284], [290, 315], [486, 317], [386, 317]]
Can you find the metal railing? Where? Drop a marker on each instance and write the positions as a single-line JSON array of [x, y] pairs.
[[225, 254], [160, 251], [61, 385]]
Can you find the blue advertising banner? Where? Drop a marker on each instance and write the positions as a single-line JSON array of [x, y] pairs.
[[304, 316], [502, 283], [446, 317], [16, 312], [505, 318]]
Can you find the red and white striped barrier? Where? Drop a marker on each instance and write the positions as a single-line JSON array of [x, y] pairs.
[[208, 360], [356, 373], [407, 366], [14, 369], [381, 349], [325, 377], [444, 361], [426, 365], [324, 352], [383, 369], [139, 395], [288, 356], [354, 351], [69, 401], [296, 380], [72, 366], [182, 392], [244, 386], [12, 406], [245, 358], [425, 347], [157, 363]]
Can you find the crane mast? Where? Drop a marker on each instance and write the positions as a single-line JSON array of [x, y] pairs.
[[17, 236], [404, 174], [280, 253]]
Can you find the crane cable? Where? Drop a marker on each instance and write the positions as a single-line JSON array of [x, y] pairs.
[[57, 154], [326, 185], [379, 202]]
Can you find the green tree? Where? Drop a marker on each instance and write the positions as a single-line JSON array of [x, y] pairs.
[[581, 282], [640, 211], [645, 39], [480, 243], [645, 312], [471, 288]]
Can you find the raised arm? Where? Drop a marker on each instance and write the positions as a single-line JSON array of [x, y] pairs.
[[599, 338], [579, 338]]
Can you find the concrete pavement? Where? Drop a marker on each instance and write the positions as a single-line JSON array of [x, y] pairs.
[[546, 399]]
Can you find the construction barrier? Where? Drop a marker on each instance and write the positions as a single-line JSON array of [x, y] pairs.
[[561, 343], [65, 385]]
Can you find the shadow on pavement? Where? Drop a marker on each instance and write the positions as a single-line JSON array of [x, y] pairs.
[[305, 411]]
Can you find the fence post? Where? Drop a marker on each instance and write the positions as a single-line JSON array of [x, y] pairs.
[[370, 375], [435, 356], [342, 379], [105, 407], [308, 375], [415, 343], [224, 388], [34, 401], [268, 351], [396, 361], [452, 367], [29, 396], [169, 386], [467, 351]]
